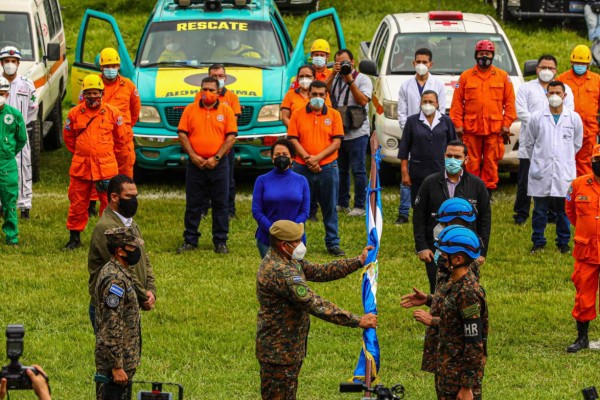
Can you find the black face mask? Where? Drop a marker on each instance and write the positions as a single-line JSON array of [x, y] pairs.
[[132, 257], [596, 168], [282, 162], [484, 61], [127, 207]]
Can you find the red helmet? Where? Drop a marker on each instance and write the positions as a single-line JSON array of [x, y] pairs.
[[485, 45]]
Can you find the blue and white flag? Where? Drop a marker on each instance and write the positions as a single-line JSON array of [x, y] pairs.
[[369, 355]]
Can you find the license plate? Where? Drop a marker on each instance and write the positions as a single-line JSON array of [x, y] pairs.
[[576, 6]]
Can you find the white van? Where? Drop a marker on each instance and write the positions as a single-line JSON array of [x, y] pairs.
[[35, 27]]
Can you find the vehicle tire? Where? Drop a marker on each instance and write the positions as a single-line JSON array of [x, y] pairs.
[[502, 10], [388, 173], [35, 143], [140, 175], [54, 139]]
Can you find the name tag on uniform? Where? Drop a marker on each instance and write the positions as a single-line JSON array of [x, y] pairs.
[[583, 198], [116, 290]]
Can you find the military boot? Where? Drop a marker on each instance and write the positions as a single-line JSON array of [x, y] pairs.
[[582, 341], [74, 241]]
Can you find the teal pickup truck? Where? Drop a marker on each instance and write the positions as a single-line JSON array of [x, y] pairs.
[[181, 39]]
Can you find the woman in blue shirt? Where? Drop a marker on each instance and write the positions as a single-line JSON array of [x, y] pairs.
[[279, 194]]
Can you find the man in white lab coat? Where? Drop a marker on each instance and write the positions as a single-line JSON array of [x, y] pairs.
[[554, 135], [409, 103], [531, 97]]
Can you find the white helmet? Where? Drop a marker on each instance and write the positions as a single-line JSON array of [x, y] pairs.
[[4, 84], [10, 51]]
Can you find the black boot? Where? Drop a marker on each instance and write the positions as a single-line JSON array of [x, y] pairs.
[[74, 241], [582, 341], [92, 209]]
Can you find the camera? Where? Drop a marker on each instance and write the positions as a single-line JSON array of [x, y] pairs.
[[380, 392], [15, 373], [345, 67]]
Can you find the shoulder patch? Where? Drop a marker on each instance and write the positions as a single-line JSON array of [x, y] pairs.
[[570, 189], [116, 289], [220, 117], [136, 93], [297, 279], [9, 119], [112, 300], [472, 311], [301, 291], [456, 86], [119, 120]]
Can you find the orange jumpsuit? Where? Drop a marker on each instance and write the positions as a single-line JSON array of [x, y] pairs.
[[583, 209], [483, 102], [586, 90], [95, 138]]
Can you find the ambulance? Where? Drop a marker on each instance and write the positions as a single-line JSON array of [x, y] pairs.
[[182, 38]]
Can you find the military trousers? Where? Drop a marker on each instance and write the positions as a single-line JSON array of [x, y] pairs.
[[279, 382], [9, 192], [112, 390], [447, 388]]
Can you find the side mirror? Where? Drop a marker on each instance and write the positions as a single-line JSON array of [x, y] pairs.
[[368, 67], [529, 67], [53, 52]]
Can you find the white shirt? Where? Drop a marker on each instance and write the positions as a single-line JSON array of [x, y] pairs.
[[409, 97], [22, 97], [126, 221], [436, 119], [531, 97], [551, 147]]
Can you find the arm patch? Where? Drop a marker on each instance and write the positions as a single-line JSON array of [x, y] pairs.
[[472, 311], [473, 329], [117, 290], [112, 301]]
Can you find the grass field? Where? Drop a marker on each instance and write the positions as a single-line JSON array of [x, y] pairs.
[[202, 331]]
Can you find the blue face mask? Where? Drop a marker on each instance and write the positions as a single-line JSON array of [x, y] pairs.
[[436, 256], [453, 166], [317, 102], [110, 73], [579, 69]]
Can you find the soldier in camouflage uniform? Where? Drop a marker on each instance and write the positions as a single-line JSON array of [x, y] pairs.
[[118, 340], [285, 304]]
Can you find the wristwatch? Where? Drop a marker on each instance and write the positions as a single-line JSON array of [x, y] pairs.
[[350, 83], [217, 157]]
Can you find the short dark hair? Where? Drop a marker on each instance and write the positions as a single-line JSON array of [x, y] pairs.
[[433, 92], [317, 84], [115, 185], [458, 143], [345, 51], [215, 67], [312, 69], [210, 79], [423, 51], [557, 83], [287, 143], [548, 57]]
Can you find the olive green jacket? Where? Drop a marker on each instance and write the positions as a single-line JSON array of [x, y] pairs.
[[143, 276]]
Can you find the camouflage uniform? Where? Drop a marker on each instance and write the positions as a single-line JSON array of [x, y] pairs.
[[283, 319], [118, 341], [463, 331]]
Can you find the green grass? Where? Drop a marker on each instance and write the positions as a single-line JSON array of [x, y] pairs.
[[202, 331]]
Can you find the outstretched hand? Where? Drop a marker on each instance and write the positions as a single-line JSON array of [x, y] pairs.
[[418, 298]]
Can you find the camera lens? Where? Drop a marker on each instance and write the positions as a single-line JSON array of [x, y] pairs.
[[345, 67]]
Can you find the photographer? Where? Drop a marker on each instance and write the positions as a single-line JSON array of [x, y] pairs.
[[350, 94], [39, 382]]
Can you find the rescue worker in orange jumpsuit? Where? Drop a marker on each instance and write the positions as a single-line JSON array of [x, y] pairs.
[[483, 109], [586, 90], [94, 133], [121, 93], [582, 206]]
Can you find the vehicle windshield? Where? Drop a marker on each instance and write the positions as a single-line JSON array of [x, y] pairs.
[[15, 31], [206, 42], [453, 53]]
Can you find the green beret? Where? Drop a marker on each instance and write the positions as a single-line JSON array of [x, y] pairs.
[[288, 231], [122, 236]]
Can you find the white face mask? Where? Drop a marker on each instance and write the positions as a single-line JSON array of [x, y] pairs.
[[318, 61], [428, 109], [172, 47], [555, 100], [304, 82], [2, 100], [421, 69], [546, 75], [221, 83], [299, 252], [10, 68]]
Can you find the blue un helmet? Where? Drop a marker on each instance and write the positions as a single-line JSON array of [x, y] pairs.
[[455, 239], [456, 207]]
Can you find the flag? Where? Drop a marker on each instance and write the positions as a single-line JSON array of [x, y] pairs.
[[369, 355]]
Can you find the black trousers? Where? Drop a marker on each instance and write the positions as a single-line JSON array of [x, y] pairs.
[[202, 185], [231, 199]]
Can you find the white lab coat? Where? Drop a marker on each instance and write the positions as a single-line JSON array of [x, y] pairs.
[[409, 98], [531, 97], [551, 147]]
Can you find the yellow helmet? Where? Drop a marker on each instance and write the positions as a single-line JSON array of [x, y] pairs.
[[582, 54], [320, 45], [92, 81], [109, 56]]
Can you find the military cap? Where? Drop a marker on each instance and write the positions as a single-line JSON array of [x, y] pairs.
[[119, 237], [287, 230]]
